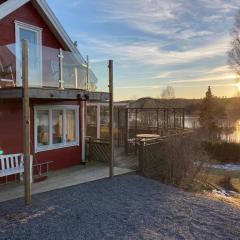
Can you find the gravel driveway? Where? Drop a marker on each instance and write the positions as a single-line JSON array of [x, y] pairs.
[[126, 207]]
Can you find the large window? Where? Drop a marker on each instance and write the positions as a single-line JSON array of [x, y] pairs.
[[55, 127]]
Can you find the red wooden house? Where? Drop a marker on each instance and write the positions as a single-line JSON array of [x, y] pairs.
[[59, 80]]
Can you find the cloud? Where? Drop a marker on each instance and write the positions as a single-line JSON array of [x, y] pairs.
[[157, 42], [144, 14], [179, 19], [175, 86], [195, 71], [153, 53], [225, 77]]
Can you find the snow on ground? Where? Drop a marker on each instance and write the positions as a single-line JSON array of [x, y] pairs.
[[229, 166], [125, 207]]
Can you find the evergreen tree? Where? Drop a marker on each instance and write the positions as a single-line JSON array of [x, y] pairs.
[[211, 112]]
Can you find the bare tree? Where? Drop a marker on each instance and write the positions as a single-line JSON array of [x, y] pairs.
[[234, 53], [168, 93]]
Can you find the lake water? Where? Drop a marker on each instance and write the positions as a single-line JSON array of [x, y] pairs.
[[231, 133]]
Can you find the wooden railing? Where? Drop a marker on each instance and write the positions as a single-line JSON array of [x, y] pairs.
[[97, 149]]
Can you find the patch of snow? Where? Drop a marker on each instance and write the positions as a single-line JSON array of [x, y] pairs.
[[229, 166], [224, 193]]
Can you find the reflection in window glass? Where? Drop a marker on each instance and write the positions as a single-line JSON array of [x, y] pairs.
[[92, 121], [57, 126], [70, 126], [42, 127]]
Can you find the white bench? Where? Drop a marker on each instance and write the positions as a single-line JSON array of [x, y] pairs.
[[13, 164]]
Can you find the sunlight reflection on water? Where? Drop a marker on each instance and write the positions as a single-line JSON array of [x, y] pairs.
[[230, 134]]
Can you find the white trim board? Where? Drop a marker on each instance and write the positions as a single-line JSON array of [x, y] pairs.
[[18, 26], [9, 6], [64, 144]]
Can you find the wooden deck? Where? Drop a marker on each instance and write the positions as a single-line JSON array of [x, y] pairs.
[[60, 179]]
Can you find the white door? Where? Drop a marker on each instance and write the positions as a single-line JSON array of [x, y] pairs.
[[34, 37]]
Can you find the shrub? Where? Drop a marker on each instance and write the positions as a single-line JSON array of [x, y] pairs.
[[226, 183], [223, 152], [185, 158]]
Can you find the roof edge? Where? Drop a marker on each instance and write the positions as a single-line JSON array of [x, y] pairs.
[[9, 6]]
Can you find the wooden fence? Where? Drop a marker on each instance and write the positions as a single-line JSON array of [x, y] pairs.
[[97, 149], [151, 158], [152, 155]]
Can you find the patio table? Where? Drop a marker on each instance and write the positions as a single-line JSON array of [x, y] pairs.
[[143, 137]]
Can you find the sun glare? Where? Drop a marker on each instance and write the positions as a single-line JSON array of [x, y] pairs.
[[238, 86]]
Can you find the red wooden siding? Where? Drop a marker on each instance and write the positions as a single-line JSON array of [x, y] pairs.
[[64, 157], [11, 126], [11, 110], [11, 135], [27, 14]]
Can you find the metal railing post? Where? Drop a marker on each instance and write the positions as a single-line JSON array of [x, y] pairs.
[[87, 82], [61, 81]]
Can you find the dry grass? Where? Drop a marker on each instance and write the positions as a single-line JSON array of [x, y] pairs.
[[215, 175], [182, 154], [232, 200]]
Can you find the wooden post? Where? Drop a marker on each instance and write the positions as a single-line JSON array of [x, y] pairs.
[[118, 126], [136, 125], [26, 123], [111, 160], [98, 118], [183, 120], [136, 131], [126, 135], [167, 118], [83, 131], [61, 81], [174, 118], [164, 117]]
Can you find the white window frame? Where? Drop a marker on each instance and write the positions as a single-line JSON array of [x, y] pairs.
[[21, 25], [65, 144]]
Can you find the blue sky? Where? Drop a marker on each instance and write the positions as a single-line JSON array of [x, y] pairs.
[[155, 43]]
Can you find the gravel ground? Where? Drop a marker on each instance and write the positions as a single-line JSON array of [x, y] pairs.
[[126, 207]]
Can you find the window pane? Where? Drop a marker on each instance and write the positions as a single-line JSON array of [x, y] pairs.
[[42, 128], [29, 35], [71, 126], [57, 127]]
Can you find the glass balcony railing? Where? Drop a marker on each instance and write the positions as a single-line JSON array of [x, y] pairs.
[[49, 67]]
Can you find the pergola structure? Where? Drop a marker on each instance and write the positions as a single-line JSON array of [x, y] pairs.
[[98, 119]]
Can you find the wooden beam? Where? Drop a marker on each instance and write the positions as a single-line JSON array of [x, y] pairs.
[[111, 116], [26, 123], [51, 93]]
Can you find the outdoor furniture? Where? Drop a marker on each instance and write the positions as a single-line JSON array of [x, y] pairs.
[[39, 167], [13, 164], [6, 75], [144, 137]]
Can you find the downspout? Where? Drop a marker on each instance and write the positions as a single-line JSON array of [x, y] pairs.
[[82, 132]]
